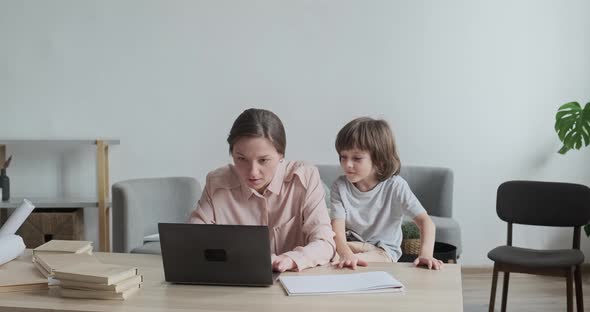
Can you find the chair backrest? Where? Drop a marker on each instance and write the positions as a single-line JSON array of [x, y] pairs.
[[139, 204], [543, 203], [433, 186]]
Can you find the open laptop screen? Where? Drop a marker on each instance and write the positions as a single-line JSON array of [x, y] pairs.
[[216, 254]]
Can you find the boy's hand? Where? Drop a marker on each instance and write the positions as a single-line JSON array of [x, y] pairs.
[[282, 263], [430, 262], [349, 260]]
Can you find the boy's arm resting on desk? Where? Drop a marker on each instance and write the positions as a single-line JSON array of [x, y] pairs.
[[339, 227], [338, 215], [316, 228], [347, 257], [427, 233]]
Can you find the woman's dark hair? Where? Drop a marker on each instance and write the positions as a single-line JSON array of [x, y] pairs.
[[256, 123], [375, 137]]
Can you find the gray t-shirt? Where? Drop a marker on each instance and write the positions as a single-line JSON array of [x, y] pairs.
[[375, 216]]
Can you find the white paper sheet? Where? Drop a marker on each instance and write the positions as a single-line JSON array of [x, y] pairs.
[[17, 218], [11, 246], [353, 283], [151, 238]]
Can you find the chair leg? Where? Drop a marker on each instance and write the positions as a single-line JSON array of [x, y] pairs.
[[579, 293], [493, 292], [569, 292], [505, 291]]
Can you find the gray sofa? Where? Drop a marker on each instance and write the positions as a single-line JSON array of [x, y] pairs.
[[139, 204], [434, 188]]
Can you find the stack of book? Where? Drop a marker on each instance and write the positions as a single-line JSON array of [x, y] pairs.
[[98, 281], [47, 263], [64, 246], [59, 253]]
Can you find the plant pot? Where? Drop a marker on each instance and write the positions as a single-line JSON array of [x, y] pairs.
[[411, 246]]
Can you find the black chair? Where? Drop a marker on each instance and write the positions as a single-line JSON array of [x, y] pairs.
[[546, 204]]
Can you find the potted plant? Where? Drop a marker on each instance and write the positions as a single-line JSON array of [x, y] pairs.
[[411, 238], [572, 124]]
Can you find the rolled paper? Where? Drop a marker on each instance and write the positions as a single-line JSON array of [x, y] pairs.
[[17, 218], [11, 246]]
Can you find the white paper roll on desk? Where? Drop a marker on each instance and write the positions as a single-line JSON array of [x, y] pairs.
[[17, 218], [11, 246]]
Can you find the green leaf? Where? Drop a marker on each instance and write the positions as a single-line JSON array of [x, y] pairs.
[[570, 105], [410, 230], [563, 150], [572, 124], [587, 229]]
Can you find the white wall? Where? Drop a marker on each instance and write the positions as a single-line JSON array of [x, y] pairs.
[[470, 85]]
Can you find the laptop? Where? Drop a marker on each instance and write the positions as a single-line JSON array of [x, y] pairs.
[[216, 254]]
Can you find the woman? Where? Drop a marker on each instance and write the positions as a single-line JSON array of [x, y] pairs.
[[262, 188]]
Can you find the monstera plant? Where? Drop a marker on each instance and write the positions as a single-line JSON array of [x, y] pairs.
[[572, 124]]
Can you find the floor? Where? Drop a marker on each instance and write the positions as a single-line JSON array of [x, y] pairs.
[[525, 292]]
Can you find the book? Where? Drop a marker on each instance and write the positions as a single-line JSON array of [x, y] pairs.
[[353, 283], [23, 288], [99, 273], [42, 270], [64, 246], [49, 262], [21, 275], [97, 294], [117, 287]]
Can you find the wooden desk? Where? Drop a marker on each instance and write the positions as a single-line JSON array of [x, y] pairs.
[[425, 291]]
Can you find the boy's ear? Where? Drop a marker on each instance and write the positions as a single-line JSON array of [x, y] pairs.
[[376, 170]]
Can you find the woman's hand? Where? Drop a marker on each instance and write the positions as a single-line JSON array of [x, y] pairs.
[[349, 260], [429, 262], [282, 263]]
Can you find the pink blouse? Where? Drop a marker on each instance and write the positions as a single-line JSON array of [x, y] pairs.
[[293, 206]]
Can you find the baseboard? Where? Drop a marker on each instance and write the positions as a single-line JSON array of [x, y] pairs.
[[477, 269]]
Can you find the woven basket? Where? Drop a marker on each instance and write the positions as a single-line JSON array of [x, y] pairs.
[[411, 246]]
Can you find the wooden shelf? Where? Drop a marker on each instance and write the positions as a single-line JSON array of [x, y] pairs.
[[58, 142], [42, 203], [103, 184]]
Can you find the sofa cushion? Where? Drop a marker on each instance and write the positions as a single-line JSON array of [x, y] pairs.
[[152, 248], [448, 231]]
